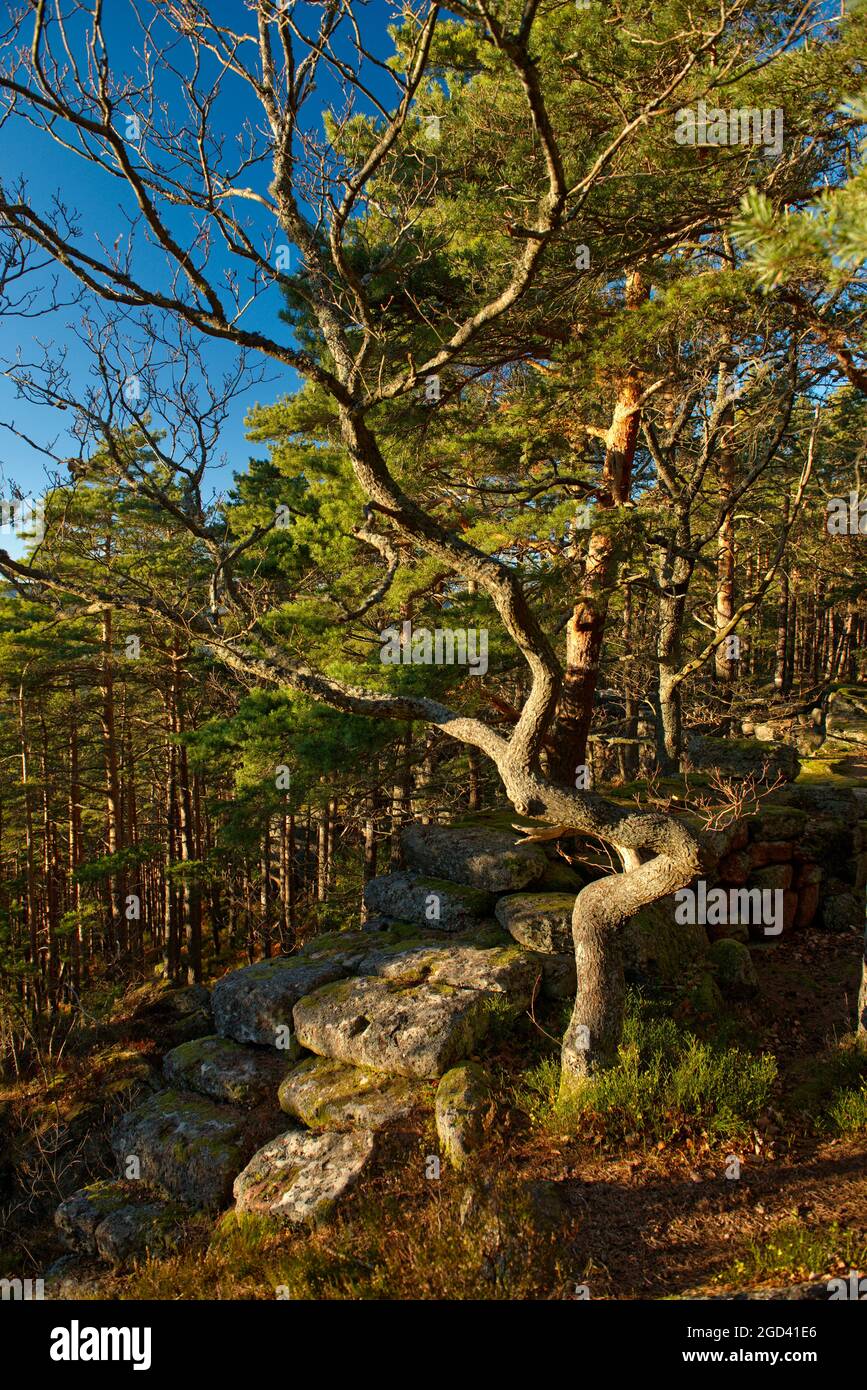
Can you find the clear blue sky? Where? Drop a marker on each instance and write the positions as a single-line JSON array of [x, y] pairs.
[[103, 206]]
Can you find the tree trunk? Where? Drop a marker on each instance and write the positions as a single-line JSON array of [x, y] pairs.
[[725, 666], [585, 630]]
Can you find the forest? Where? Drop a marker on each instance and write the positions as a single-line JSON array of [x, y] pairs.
[[435, 468]]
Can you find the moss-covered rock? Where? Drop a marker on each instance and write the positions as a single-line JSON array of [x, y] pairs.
[[657, 949], [434, 903], [300, 1176], [416, 1031], [733, 969], [227, 1071], [464, 1109], [539, 921], [743, 757], [254, 1004], [78, 1216], [118, 1221], [326, 1094], [186, 1146], [487, 859]]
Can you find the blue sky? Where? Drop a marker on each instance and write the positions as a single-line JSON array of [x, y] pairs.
[[103, 205]]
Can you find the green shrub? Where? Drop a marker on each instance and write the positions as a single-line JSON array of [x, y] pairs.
[[666, 1081]]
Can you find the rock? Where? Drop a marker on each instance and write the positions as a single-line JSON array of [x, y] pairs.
[[559, 975], [808, 875], [226, 1071], [417, 1031], [489, 859], [808, 905], [540, 921], [841, 909], [734, 868], [464, 1109], [325, 1094], [134, 1232], [738, 758], [703, 996], [431, 902], [734, 969], [119, 1221], [776, 824], [847, 715], [186, 1146], [764, 852], [78, 1216], [658, 949], [494, 970], [300, 1176], [774, 876], [168, 1012], [252, 1003], [728, 931], [560, 877]]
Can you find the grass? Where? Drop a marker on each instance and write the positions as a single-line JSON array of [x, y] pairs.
[[797, 1252], [833, 1094], [667, 1082], [411, 1240]]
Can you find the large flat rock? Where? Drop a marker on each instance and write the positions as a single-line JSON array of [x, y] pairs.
[[417, 1030], [226, 1071], [488, 859], [433, 903], [250, 1005], [494, 970], [326, 1094], [186, 1146], [300, 1176], [539, 921]]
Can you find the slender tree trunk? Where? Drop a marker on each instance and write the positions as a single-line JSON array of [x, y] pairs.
[[114, 811], [586, 627], [725, 666], [29, 852]]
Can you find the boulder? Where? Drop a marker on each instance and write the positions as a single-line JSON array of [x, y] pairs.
[[186, 1146], [134, 1232], [119, 1221], [252, 1004], [734, 970], [559, 976], [464, 1109], [540, 921], [737, 758], [300, 1176], [431, 902], [78, 1216], [847, 716], [560, 877], [325, 1094], [226, 1071], [772, 877], [493, 970], [417, 1030], [489, 859], [657, 949], [842, 910]]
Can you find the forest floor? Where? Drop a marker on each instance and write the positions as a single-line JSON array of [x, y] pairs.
[[550, 1208]]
